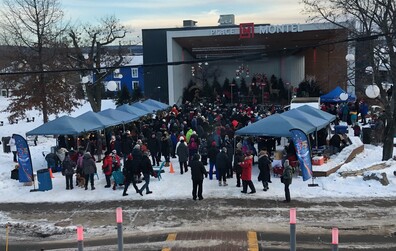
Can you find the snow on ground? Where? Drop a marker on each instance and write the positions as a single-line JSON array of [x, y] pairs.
[[177, 186]]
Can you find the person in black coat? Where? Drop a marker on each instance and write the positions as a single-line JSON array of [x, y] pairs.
[[238, 158], [197, 172], [222, 165], [147, 170], [132, 166], [264, 165], [154, 147], [212, 153]]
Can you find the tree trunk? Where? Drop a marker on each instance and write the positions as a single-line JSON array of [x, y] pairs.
[[94, 100], [387, 150]]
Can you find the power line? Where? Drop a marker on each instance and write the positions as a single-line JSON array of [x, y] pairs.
[[244, 56]]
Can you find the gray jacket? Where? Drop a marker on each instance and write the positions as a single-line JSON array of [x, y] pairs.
[[89, 165]]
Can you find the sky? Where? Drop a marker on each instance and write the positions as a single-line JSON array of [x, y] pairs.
[[147, 14]]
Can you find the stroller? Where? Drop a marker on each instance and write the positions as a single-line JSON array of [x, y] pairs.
[[118, 178]]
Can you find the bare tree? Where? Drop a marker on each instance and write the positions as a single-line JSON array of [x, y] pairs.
[[89, 51], [372, 22], [34, 29]]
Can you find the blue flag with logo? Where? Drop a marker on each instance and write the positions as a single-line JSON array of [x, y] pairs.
[[24, 159], [303, 151]]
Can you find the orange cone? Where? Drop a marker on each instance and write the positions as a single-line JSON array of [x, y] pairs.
[[171, 168], [51, 175]]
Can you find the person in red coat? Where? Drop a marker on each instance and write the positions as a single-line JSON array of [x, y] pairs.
[[107, 167], [247, 173]]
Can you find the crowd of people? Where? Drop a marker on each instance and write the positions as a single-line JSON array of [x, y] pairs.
[[200, 137]]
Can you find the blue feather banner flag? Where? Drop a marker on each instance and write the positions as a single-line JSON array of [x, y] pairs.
[[24, 159], [303, 151]]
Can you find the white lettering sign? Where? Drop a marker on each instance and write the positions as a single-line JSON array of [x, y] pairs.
[[229, 31], [264, 29]]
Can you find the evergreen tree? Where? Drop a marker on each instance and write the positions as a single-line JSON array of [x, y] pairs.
[[137, 94], [207, 91], [274, 82], [217, 89], [123, 96], [244, 89]]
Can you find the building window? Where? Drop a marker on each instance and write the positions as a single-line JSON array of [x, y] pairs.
[[135, 73], [135, 84]]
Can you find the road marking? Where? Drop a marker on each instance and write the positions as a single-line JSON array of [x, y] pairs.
[[171, 237], [252, 241]]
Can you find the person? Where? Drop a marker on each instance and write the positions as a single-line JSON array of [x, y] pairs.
[[107, 168], [378, 130], [286, 179], [147, 170], [89, 170], [153, 146], [166, 145], [79, 163], [13, 148], [264, 165], [197, 172], [363, 107], [222, 165], [335, 143], [132, 165], [238, 159], [182, 152], [68, 171], [212, 153], [247, 173], [99, 147], [203, 151]]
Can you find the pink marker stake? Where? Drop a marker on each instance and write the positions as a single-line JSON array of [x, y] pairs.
[[80, 238], [119, 229], [334, 239], [293, 220]]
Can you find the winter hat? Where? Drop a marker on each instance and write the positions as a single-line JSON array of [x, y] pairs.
[[239, 146], [224, 149], [213, 143], [129, 156], [181, 138], [114, 152], [137, 146]]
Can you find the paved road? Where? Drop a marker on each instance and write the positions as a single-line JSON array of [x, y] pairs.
[[369, 225]]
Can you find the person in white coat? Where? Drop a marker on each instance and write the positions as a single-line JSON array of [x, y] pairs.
[[13, 148]]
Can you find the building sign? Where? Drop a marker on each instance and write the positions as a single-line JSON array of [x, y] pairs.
[[227, 19], [247, 30]]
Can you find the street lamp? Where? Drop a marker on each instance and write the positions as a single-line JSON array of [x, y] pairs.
[[372, 91], [262, 85], [350, 58], [288, 92], [159, 93], [232, 94]]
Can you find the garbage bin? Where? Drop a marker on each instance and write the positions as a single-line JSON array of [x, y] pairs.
[[5, 141], [367, 135], [44, 180]]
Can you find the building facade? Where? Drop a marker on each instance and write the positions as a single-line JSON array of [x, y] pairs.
[[293, 52]]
